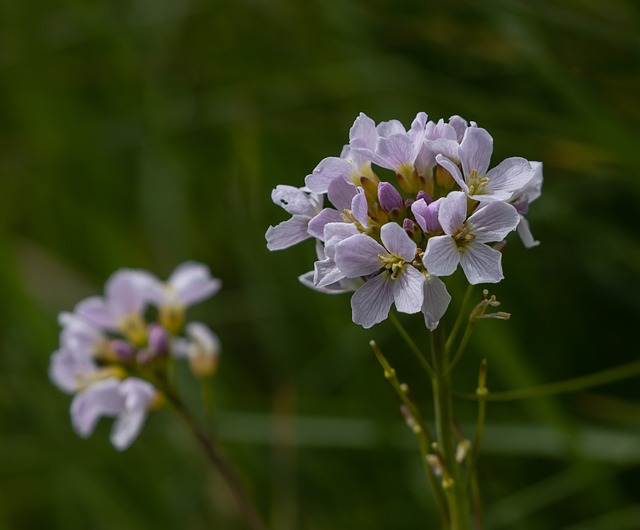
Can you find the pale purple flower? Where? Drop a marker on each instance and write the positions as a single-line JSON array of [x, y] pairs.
[[189, 283], [478, 183], [127, 401], [390, 275], [122, 306], [70, 369], [465, 239], [78, 334], [426, 214], [303, 205], [521, 200]]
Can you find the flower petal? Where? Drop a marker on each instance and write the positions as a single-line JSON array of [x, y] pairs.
[[99, 399], [475, 151], [359, 255], [453, 212], [316, 225], [327, 171], [493, 222], [287, 233], [363, 132], [370, 304], [481, 263], [408, 290], [436, 301], [136, 394], [398, 242], [510, 175], [192, 282], [441, 257], [525, 234], [453, 170]]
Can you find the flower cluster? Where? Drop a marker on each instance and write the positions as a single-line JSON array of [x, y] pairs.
[[112, 357], [391, 244]]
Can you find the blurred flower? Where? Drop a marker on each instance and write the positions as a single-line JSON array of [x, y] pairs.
[[111, 358]]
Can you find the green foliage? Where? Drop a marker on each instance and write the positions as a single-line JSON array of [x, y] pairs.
[[146, 133]]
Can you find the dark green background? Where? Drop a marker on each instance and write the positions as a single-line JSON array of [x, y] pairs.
[[146, 133]]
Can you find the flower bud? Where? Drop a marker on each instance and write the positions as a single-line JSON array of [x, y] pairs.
[[389, 197], [158, 340], [123, 350]]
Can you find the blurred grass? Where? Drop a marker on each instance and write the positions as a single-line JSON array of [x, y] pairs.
[[144, 133]]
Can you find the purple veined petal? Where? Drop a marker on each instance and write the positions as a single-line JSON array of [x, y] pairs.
[[425, 160], [325, 272], [360, 208], [397, 241], [99, 399], [341, 194], [316, 225], [327, 171], [431, 217], [454, 171], [460, 126], [441, 130], [296, 201], [68, 368], [491, 195], [192, 282], [417, 130], [475, 151], [136, 394], [493, 222], [363, 132], [334, 233], [287, 233], [419, 211], [445, 147], [511, 174], [359, 255], [436, 301], [344, 286], [525, 234], [389, 128], [452, 213], [396, 151], [481, 263], [97, 312], [372, 301], [408, 290], [441, 257]]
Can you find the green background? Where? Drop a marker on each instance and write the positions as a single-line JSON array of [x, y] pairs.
[[145, 133]]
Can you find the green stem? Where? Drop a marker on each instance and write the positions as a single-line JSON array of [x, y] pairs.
[[461, 315], [412, 345], [425, 441], [443, 404], [604, 377], [463, 344], [481, 392], [210, 447]]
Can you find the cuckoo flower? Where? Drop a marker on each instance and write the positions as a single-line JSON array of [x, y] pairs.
[[127, 401], [121, 308], [478, 183], [391, 277], [464, 239], [303, 205], [188, 284]]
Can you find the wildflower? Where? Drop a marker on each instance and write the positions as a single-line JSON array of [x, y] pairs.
[[126, 400], [464, 239], [110, 357], [395, 278], [188, 284], [303, 205], [475, 153], [521, 200]]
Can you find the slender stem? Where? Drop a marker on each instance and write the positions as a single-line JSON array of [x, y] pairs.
[[604, 377], [443, 403], [209, 445], [463, 344], [412, 345], [425, 441], [481, 392], [460, 318]]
